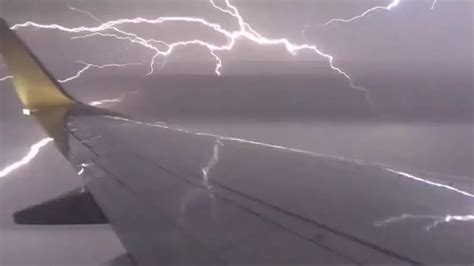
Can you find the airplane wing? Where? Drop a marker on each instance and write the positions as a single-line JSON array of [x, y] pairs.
[[176, 196]]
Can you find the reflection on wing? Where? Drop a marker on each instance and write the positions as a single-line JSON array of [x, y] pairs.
[[325, 202]]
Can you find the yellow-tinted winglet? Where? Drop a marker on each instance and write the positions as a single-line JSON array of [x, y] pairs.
[[36, 89]]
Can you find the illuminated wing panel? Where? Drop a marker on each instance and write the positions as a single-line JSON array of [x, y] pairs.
[[163, 211], [255, 189]]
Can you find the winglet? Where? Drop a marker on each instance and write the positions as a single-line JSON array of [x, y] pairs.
[[35, 87]]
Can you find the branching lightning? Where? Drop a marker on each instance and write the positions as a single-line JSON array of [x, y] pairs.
[[34, 150], [388, 7], [245, 31], [89, 65], [393, 4], [86, 67], [437, 219]]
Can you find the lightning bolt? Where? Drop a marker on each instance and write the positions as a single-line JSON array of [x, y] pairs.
[[245, 31], [34, 150], [84, 12], [451, 218], [388, 7], [437, 219], [393, 4], [6, 78], [212, 162], [439, 185], [87, 66]]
